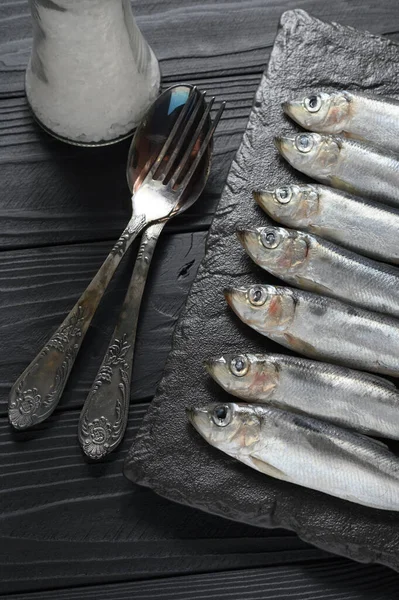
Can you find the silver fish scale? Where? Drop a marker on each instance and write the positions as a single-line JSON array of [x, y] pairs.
[[367, 227], [343, 396], [324, 457], [367, 169], [331, 330], [340, 273], [375, 119]]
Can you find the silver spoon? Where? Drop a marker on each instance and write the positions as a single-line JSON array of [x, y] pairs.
[[37, 391], [104, 415]]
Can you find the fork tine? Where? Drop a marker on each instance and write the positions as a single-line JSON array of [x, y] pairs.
[[194, 139], [172, 134], [184, 135], [201, 151]]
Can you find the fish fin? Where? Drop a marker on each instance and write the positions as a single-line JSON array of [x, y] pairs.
[[373, 440], [336, 182], [352, 136], [264, 467], [308, 284], [300, 346]]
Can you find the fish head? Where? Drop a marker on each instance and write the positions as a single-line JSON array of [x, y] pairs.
[[323, 112], [266, 308], [292, 204], [244, 375], [314, 154], [274, 248], [232, 427]]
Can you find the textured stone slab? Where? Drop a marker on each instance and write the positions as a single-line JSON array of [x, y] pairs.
[[168, 455]]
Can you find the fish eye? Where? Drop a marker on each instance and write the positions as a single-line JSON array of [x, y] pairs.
[[312, 103], [283, 195], [239, 366], [221, 415], [304, 142], [257, 295], [270, 238]]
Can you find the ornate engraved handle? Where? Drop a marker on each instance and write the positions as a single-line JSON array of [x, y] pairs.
[[104, 415], [37, 391]]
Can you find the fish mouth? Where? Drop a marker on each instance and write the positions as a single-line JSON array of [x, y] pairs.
[[286, 147], [241, 233], [236, 298], [246, 236], [284, 144], [213, 364], [234, 293], [229, 293], [209, 364], [190, 414], [294, 110], [257, 195], [263, 197], [278, 141], [199, 419], [286, 107]]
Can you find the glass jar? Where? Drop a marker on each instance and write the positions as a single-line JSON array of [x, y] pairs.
[[91, 75]]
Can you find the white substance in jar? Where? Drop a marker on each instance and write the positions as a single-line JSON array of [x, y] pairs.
[[92, 75]]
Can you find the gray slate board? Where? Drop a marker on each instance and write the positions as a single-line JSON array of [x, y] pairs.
[[168, 455]]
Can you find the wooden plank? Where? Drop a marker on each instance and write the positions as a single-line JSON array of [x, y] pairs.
[[64, 522], [51, 193], [39, 287], [203, 38], [334, 579]]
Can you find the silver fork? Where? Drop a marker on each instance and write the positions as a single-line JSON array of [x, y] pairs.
[[38, 390], [104, 415]]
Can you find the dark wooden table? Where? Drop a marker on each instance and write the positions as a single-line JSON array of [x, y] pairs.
[[73, 530]]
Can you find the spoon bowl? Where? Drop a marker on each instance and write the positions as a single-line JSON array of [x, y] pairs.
[[151, 135]]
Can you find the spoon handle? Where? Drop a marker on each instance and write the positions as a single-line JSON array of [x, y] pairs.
[[37, 391], [104, 414]]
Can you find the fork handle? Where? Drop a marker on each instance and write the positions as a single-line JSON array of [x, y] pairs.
[[37, 391], [104, 414]]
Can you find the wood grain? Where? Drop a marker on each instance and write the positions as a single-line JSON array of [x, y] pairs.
[[337, 579], [54, 194], [51, 193], [191, 38], [40, 286], [64, 522]]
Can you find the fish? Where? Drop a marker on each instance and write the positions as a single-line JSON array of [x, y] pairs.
[[361, 225], [302, 450], [312, 263], [356, 167], [361, 116], [353, 399], [320, 327]]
